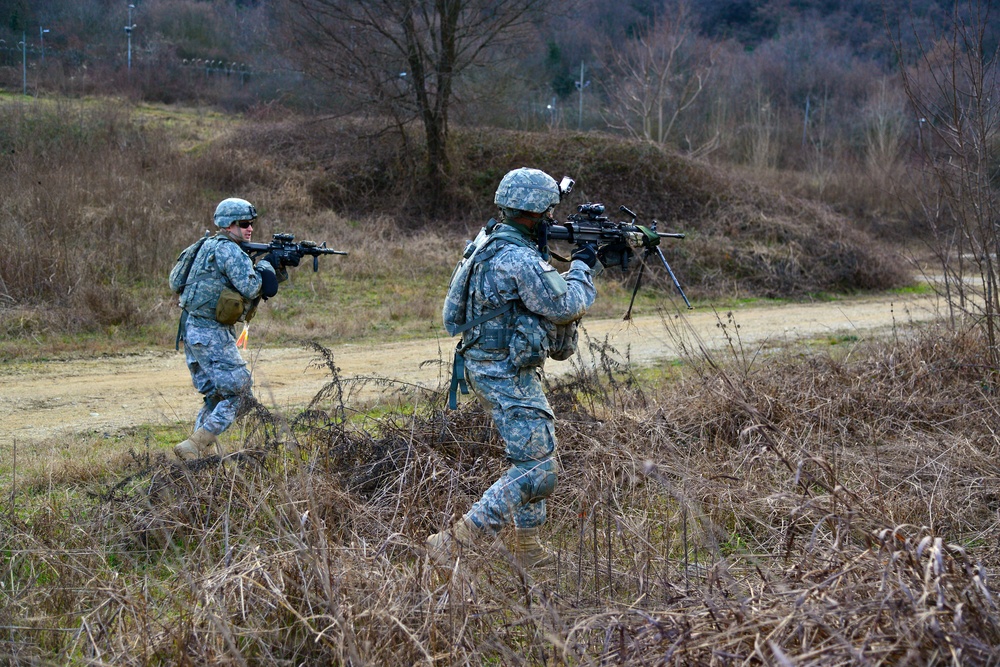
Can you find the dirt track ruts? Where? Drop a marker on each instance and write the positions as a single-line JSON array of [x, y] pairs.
[[39, 401]]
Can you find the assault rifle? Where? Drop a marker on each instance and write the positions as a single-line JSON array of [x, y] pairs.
[[288, 253], [615, 242]]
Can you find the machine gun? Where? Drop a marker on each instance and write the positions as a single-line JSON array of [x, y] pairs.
[[288, 253], [615, 242]]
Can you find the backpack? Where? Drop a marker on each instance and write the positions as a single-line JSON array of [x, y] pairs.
[[182, 268], [178, 279], [453, 312]]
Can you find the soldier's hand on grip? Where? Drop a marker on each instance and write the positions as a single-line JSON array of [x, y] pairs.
[[586, 253], [273, 260]]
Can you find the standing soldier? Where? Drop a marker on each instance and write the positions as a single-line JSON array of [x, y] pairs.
[[514, 310], [219, 286]]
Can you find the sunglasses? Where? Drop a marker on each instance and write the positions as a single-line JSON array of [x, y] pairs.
[[245, 223]]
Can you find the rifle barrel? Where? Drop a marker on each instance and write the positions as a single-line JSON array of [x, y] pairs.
[[308, 250], [559, 232]]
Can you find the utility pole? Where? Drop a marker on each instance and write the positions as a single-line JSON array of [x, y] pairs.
[[580, 85], [129, 27], [41, 40], [805, 123], [24, 61]]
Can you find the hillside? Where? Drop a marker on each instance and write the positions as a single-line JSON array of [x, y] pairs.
[[743, 237], [99, 272]]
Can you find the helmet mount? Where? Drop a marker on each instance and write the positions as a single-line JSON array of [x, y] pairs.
[[527, 189]]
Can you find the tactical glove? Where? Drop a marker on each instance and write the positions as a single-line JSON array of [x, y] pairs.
[[586, 254], [273, 260]]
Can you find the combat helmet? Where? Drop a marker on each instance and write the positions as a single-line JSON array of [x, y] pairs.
[[527, 189], [234, 210]]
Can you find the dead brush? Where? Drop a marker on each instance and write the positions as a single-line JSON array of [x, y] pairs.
[[751, 509]]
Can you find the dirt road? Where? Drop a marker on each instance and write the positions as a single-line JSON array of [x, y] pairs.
[[46, 400]]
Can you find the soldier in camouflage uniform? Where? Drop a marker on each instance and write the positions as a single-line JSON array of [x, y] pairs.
[[514, 310], [220, 269]]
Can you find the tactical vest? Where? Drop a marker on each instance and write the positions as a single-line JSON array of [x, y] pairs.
[[200, 283], [491, 331], [458, 304]]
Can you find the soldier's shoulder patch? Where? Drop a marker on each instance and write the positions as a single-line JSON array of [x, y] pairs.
[[546, 267]]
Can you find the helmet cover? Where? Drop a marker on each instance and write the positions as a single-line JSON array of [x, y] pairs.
[[233, 210], [527, 189]]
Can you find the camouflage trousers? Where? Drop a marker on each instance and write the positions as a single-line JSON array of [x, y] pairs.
[[219, 374], [526, 423]]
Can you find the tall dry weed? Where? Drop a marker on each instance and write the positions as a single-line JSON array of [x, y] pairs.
[[754, 510], [74, 229]]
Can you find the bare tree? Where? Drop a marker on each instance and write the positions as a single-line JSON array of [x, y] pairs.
[[954, 88], [654, 80], [884, 122], [404, 58]]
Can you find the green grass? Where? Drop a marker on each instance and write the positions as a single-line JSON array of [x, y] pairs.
[[916, 289], [82, 460]]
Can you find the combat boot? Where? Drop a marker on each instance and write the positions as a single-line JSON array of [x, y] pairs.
[[529, 551], [445, 547], [200, 444]]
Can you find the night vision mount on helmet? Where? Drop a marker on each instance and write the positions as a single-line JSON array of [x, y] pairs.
[[527, 189]]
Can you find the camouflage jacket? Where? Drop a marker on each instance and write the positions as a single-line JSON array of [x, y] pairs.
[[511, 270], [220, 264]]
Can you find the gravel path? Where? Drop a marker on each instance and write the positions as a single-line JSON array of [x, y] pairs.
[[40, 401]]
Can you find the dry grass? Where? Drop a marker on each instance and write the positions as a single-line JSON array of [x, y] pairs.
[[837, 509], [85, 217], [832, 509], [743, 238], [89, 248]]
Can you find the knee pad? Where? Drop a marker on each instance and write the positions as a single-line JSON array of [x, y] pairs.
[[536, 479]]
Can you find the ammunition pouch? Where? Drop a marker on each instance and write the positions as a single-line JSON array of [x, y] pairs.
[[529, 343], [494, 338], [563, 341], [230, 306]]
